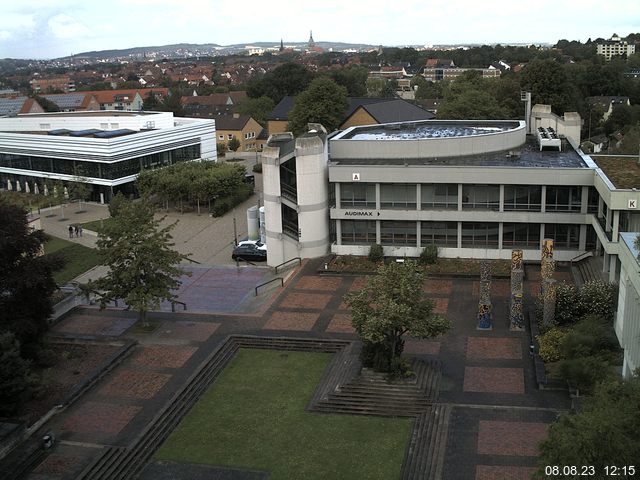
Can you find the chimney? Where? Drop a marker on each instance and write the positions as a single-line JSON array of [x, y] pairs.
[[236, 115]]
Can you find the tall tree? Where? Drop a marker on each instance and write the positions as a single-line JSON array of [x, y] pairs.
[[257, 108], [353, 78], [287, 79], [604, 433], [15, 375], [26, 279], [323, 102], [391, 305], [548, 83], [143, 268]]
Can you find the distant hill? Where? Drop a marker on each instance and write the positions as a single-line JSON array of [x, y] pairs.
[[194, 49]]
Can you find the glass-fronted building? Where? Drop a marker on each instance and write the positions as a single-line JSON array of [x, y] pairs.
[[106, 149]]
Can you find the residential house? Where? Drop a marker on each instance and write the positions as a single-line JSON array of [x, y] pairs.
[[74, 102], [10, 106], [242, 127], [608, 103], [61, 83], [127, 100], [208, 106]]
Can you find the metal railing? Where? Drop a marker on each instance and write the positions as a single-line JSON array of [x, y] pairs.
[[173, 305], [267, 283], [289, 261], [582, 256]]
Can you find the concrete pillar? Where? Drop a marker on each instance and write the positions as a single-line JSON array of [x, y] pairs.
[[338, 232], [500, 233], [337, 193], [613, 268], [418, 199], [541, 233], [459, 199], [582, 242], [605, 262], [607, 223], [501, 202], [418, 234], [616, 225], [584, 205], [378, 197], [459, 234], [378, 233], [600, 206], [543, 199]]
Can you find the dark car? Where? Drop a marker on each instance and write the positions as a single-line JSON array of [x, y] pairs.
[[249, 252]]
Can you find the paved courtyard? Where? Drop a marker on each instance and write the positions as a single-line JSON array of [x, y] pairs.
[[498, 414]]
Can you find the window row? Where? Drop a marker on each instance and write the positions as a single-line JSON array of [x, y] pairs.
[[403, 196], [445, 234]]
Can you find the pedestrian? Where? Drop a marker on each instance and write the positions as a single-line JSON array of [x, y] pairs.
[[80, 230], [70, 231], [76, 230]]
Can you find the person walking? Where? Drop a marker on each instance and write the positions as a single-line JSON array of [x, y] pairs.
[[80, 230], [76, 230], [70, 231]]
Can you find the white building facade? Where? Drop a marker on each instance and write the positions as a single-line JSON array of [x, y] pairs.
[[106, 149]]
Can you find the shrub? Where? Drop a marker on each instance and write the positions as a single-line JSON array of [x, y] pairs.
[[221, 147], [551, 344], [257, 168], [598, 298], [592, 335], [116, 202], [584, 373], [567, 301], [376, 253], [16, 381], [224, 204], [429, 255]]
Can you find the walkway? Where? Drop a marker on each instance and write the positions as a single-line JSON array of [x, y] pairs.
[[498, 415]]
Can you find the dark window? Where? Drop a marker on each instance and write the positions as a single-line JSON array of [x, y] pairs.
[[358, 232], [288, 180], [400, 196], [398, 233], [358, 195], [522, 198], [476, 234], [481, 197], [439, 196], [564, 236], [563, 199], [521, 235], [290, 221], [592, 204], [442, 234]]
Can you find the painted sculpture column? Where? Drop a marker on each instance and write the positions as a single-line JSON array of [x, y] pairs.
[[484, 304], [547, 287], [516, 315]]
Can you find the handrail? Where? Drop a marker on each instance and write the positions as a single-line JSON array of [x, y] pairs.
[[173, 305], [267, 283], [288, 261], [582, 256]]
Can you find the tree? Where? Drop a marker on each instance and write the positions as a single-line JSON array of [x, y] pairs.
[[604, 433], [353, 78], [287, 79], [378, 87], [323, 102], [143, 268], [26, 279], [79, 188], [548, 83], [234, 144], [15, 375], [391, 305], [151, 102], [257, 108]]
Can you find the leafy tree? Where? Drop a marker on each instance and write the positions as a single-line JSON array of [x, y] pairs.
[[79, 188], [323, 102], [604, 433], [234, 144], [116, 203], [151, 102], [287, 79], [46, 104], [143, 268], [26, 279], [15, 375], [257, 108], [221, 148], [548, 83], [391, 305], [378, 87], [353, 78]]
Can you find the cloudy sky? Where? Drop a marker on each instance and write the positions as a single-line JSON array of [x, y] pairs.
[[49, 29]]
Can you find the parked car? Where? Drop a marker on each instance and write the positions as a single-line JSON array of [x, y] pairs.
[[257, 243], [249, 252]]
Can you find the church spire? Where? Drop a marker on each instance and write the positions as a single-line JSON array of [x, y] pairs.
[[311, 42], [281, 45]]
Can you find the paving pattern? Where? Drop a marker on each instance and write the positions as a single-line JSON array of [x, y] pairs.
[[489, 369]]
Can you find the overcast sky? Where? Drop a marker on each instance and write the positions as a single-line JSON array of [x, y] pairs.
[[50, 29]]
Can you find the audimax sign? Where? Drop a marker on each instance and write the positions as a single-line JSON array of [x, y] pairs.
[[360, 213]]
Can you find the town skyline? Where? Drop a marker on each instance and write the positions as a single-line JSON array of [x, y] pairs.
[[43, 30]]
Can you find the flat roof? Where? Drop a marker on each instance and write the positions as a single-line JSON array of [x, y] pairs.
[[624, 172], [90, 113], [527, 155], [428, 129]]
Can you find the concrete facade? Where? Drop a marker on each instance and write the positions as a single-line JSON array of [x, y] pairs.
[[627, 324]]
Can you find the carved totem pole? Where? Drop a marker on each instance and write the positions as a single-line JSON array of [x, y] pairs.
[[548, 284], [516, 315], [484, 304]]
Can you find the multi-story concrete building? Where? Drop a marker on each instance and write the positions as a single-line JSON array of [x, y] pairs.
[[475, 189], [615, 47], [107, 149]]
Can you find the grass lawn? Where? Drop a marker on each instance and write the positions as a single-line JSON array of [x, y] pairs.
[[78, 257], [95, 225], [253, 417]]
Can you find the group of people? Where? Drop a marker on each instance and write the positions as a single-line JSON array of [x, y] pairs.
[[75, 230]]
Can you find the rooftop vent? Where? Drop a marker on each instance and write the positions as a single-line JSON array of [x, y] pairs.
[[548, 137]]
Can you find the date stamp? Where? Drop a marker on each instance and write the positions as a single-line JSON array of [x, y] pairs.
[[608, 471]]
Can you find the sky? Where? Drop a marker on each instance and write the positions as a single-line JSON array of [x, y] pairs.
[[51, 29]]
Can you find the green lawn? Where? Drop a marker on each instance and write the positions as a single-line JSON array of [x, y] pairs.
[[95, 225], [79, 258], [253, 417]]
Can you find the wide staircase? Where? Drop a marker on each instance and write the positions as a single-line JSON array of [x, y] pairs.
[[371, 393], [586, 270]]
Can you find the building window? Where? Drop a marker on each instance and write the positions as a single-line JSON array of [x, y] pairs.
[[523, 198], [229, 136], [563, 199], [220, 137], [394, 232], [521, 235], [358, 232], [290, 222], [564, 236], [592, 202], [400, 196], [45, 126], [481, 197], [477, 234], [439, 196], [442, 234], [358, 195]]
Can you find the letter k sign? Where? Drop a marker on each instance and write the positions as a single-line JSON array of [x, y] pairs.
[[633, 204]]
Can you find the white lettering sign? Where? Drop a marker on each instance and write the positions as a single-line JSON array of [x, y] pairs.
[[356, 177], [633, 204]]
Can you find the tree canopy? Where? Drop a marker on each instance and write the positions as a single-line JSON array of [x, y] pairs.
[[26, 278], [143, 267], [286, 79], [391, 305], [323, 102]]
